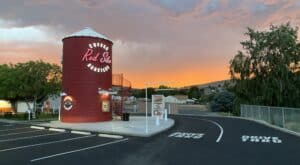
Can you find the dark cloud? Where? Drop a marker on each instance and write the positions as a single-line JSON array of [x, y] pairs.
[[265, 8], [128, 21], [212, 6], [177, 7], [91, 3]]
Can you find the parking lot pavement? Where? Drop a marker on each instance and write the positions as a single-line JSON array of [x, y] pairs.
[[7, 127], [193, 140], [20, 144], [5, 124]]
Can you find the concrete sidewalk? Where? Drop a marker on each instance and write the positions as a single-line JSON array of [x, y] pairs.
[[135, 127]]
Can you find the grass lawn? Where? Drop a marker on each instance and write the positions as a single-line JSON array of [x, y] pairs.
[[24, 116]]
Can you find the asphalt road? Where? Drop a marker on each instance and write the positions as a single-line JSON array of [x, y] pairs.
[[193, 140]]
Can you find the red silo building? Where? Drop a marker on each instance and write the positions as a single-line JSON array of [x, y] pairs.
[[87, 77]]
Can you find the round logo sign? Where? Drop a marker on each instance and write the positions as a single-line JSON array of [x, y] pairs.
[[97, 57], [68, 103]]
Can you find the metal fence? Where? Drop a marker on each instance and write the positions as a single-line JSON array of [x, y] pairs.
[[288, 118], [123, 87]]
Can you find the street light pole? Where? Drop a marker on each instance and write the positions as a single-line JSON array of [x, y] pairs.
[[146, 98]]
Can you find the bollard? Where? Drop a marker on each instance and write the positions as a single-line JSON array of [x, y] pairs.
[[59, 114], [157, 121], [166, 115], [28, 114]]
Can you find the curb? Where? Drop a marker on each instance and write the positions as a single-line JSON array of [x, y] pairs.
[[111, 136], [37, 127], [165, 129], [91, 131], [57, 130], [81, 132], [78, 132]]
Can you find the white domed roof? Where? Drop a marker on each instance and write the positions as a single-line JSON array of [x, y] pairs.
[[88, 32]]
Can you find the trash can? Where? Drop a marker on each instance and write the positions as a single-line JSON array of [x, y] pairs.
[[125, 117]]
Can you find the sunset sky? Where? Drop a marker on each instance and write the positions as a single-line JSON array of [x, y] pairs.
[[181, 41]]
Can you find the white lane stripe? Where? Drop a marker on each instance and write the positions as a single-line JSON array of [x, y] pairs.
[[215, 123], [14, 129], [78, 150], [57, 130], [46, 143], [110, 136], [81, 132], [37, 127], [18, 133], [30, 137], [221, 129]]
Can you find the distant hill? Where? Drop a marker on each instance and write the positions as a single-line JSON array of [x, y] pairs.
[[205, 85], [210, 84]]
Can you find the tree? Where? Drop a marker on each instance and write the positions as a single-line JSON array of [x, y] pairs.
[[138, 93], [9, 82], [150, 92], [194, 93], [222, 102], [163, 87], [31, 81], [165, 90], [267, 71], [181, 91]]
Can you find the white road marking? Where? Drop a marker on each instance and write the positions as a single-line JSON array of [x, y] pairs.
[[18, 133], [51, 142], [215, 123], [111, 136], [221, 129], [14, 129], [81, 132], [187, 135], [261, 139], [30, 137], [57, 130], [37, 127], [78, 150]]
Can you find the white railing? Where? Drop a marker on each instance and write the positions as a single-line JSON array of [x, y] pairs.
[[284, 117]]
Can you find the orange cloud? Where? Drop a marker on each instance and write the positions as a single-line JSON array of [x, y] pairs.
[[14, 52]]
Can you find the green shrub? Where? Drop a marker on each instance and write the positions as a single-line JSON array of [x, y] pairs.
[[222, 102], [24, 116]]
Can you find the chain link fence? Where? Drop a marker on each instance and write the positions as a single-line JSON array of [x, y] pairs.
[[288, 118]]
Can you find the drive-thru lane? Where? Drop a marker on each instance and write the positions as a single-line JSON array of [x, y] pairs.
[[193, 140]]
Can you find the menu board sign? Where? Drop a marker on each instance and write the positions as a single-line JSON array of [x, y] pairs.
[[158, 105]]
